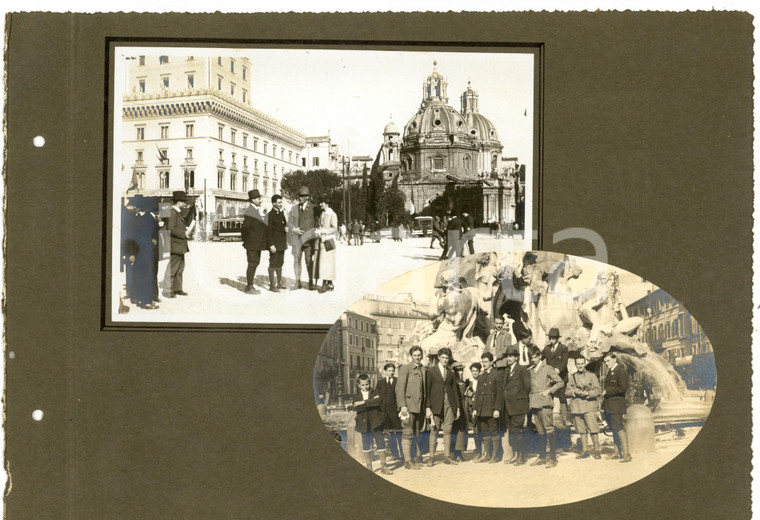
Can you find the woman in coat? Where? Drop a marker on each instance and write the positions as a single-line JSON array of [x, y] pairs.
[[328, 232]]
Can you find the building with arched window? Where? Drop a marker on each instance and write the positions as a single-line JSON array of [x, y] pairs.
[[188, 124]]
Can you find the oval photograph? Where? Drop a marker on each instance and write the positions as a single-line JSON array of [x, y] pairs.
[[532, 368]]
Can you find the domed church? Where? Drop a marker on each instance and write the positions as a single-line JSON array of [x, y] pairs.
[[449, 159]]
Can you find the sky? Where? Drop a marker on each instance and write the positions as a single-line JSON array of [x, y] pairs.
[[353, 94]]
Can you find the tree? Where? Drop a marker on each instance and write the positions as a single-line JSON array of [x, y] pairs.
[[395, 201], [376, 207], [321, 183]]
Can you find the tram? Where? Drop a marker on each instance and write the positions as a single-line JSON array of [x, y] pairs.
[[227, 229]]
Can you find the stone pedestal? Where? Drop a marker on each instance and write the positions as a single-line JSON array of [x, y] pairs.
[[639, 425]]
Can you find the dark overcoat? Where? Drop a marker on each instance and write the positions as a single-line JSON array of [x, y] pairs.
[[278, 225], [487, 395], [615, 387], [177, 230], [255, 233], [368, 416], [436, 386], [387, 393], [516, 390]]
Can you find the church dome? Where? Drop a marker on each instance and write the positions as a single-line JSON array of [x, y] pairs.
[[391, 128], [435, 118], [480, 127]]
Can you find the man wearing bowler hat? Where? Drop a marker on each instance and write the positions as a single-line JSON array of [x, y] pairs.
[[255, 237], [179, 235], [556, 355], [304, 238]]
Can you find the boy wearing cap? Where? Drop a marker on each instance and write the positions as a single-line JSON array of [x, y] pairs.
[[582, 392], [486, 408], [255, 237], [179, 235]]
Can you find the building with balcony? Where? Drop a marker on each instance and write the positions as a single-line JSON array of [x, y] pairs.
[[188, 124], [672, 332]]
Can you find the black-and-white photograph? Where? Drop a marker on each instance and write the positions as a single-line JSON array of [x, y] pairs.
[[279, 185], [566, 377]]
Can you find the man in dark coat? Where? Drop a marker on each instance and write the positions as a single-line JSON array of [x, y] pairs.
[[452, 247], [179, 235], [144, 257], [615, 387], [486, 408], [556, 355], [255, 235], [444, 404], [386, 389], [303, 221], [467, 224], [516, 389], [278, 238], [369, 422]]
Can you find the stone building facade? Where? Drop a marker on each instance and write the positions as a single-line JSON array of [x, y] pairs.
[[188, 124]]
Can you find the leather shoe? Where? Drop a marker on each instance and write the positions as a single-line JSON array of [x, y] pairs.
[[626, 458], [597, 456], [385, 470], [583, 455], [539, 461], [170, 295], [520, 462], [551, 464], [614, 457], [409, 465], [447, 460], [430, 462], [180, 293]]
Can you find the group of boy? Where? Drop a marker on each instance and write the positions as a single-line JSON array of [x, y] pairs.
[[498, 403]]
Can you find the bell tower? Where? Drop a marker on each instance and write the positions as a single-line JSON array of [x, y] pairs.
[[434, 88], [469, 100]]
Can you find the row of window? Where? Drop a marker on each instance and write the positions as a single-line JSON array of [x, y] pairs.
[[265, 151], [248, 182], [362, 325], [397, 324], [360, 341], [190, 132], [164, 60], [361, 363], [165, 83]]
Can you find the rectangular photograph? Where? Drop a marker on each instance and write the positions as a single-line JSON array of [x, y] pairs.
[[277, 185]]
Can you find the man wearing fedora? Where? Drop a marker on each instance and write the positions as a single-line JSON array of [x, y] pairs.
[[303, 221], [179, 235], [255, 238], [556, 355]]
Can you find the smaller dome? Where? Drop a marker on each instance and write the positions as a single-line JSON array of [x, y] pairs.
[[391, 128], [481, 127]]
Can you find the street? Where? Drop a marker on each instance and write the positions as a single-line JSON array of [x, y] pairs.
[[214, 279]]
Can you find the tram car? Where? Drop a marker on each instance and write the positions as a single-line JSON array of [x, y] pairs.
[[227, 229]]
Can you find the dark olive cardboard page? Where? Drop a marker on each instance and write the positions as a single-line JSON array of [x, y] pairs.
[[647, 136]]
